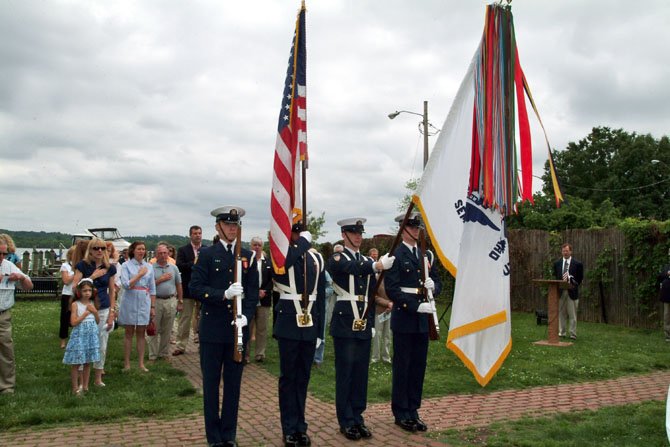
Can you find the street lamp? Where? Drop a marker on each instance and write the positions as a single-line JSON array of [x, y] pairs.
[[425, 124]]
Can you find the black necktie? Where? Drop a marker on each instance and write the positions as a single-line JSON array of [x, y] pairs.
[[358, 256], [229, 247], [416, 255]]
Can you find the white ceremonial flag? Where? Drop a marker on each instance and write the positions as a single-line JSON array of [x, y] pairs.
[[470, 243], [440, 195], [480, 330]]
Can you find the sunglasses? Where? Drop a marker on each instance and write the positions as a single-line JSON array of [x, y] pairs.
[[98, 248]]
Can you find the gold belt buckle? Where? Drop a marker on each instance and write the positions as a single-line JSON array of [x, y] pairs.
[[360, 298], [304, 319], [359, 325]]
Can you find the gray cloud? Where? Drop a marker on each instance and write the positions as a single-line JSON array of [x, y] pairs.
[[146, 115]]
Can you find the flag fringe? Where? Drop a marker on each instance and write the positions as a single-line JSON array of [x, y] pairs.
[[482, 380]]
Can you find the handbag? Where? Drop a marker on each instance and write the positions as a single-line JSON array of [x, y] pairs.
[[151, 328]]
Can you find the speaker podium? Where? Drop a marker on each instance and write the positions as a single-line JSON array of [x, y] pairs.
[[554, 286]]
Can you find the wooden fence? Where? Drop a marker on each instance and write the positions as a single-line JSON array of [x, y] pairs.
[[533, 252]]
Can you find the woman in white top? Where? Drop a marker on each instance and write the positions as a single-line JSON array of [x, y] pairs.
[[67, 275]]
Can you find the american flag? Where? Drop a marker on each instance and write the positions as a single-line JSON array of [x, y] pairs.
[[290, 149]]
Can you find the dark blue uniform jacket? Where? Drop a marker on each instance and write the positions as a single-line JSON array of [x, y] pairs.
[[286, 325], [212, 274], [406, 272], [341, 266]]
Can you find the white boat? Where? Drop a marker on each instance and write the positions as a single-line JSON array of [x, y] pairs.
[[106, 233]]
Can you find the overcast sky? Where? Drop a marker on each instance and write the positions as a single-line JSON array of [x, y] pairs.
[[146, 115]]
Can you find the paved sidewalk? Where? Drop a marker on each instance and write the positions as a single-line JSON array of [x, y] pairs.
[[259, 425]]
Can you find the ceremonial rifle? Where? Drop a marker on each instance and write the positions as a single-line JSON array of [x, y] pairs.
[[237, 301], [433, 322], [396, 241]]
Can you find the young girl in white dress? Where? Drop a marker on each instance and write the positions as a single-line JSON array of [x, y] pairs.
[[83, 348]]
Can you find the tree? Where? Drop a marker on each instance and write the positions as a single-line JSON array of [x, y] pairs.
[[315, 225], [616, 165], [574, 213], [410, 186]]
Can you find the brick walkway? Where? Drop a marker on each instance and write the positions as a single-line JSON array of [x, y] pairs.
[[259, 413]]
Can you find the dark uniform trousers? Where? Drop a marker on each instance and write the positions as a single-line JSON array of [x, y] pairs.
[[297, 344], [211, 276], [352, 348], [409, 370], [410, 330], [213, 358], [295, 365]]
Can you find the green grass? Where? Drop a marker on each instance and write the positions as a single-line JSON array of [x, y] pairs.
[[601, 352], [43, 391], [640, 425]]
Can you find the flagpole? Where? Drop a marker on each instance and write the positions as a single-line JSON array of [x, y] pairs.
[[303, 167]]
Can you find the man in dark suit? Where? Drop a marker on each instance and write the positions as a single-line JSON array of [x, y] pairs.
[[186, 255], [353, 282], [297, 331], [213, 283], [568, 269], [409, 323], [664, 285]]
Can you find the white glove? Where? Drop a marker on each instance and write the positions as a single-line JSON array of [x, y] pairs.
[[425, 308], [386, 261], [306, 235], [234, 290], [318, 342], [373, 332], [429, 284], [240, 322]]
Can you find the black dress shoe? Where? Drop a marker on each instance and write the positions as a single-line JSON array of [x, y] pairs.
[[350, 433], [406, 424], [290, 441], [229, 444], [420, 425], [303, 439], [364, 431]]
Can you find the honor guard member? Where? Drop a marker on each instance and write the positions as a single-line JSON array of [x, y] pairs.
[[297, 330], [409, 323], [353, 282], [213, 284]]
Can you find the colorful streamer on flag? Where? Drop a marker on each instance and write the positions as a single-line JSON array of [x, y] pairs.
[[290, 149], [471, 184], [494, 163]]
